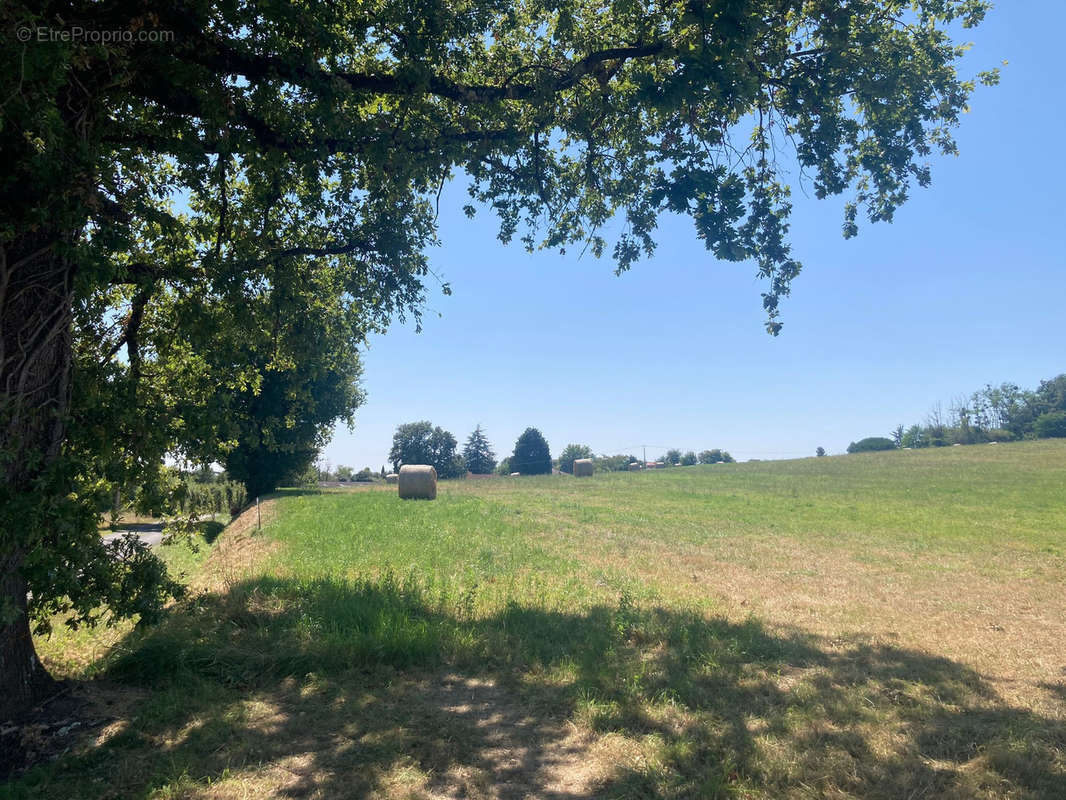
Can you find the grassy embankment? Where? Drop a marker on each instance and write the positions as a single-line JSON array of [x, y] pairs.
[[877, 626]]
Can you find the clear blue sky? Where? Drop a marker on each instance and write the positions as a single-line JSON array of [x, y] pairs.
[[965, 287]]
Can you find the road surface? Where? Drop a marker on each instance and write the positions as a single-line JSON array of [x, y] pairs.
[[151, 533]]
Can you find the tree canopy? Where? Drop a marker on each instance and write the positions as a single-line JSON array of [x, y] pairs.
[[224, 150], [478, 455], [715, 456], [871, 444], [570, 454], [531, 455], [283, 364], [1050, 425], [422, 443]]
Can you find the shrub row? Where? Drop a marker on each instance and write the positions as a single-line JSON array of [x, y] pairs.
[[212, 498]]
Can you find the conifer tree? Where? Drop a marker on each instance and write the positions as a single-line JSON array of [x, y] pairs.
[[478, 455]]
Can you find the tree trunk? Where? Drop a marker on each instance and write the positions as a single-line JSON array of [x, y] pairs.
[[23, 680], [35, 362]]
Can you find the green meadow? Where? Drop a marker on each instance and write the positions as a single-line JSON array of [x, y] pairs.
[[887, 625]]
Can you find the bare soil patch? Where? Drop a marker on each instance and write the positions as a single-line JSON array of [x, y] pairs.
[[75, 714]]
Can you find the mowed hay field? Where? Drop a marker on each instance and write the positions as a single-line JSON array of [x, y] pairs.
[[878, 626]]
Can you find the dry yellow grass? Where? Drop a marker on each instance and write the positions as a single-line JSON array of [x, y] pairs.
[[240, 548], [1010, 630]]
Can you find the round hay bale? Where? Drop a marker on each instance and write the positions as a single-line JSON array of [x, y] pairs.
[[392, 477], [418, 482], [516, 474], [583, 467]]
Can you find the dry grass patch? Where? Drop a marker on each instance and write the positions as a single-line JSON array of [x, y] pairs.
[[1009, 629], [239, 549]]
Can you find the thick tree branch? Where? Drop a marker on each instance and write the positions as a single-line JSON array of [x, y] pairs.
[[139, 272], [223, 58]]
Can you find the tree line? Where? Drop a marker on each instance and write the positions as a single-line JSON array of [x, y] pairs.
[[1001, 413], [423, 443]]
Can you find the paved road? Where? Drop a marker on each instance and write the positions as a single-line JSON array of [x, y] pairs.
[[149, 533]]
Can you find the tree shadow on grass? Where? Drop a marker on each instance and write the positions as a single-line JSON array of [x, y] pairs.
[[210, 530], [333, 688]]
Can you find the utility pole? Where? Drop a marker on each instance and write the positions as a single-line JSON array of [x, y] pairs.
[[645, 464]]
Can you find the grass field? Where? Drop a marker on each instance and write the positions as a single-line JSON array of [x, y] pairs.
[[877, 626]]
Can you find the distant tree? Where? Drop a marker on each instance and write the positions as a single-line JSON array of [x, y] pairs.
[[504, 467], [1052, 394], [820, 452], [998, 402], [1023, 413], [383, 473], [672, 457], [962, 428], [421, 443], [363, 475], [570, 454], [715, 456], [412, 443], [935, 427], [688, 459], [531, 454], [1050, 425], [477, 454], [914, 437], [618, 463], [454, 469], [308, 479], [897, 435], [344, 473], [203, 475], [871, 444]]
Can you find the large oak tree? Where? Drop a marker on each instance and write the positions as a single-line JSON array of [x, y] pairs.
[[212, 149]]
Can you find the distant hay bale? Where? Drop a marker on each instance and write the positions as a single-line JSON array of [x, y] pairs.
[[634, 466], [583, 467], [516, 474], [392, 477], [418, 482]]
